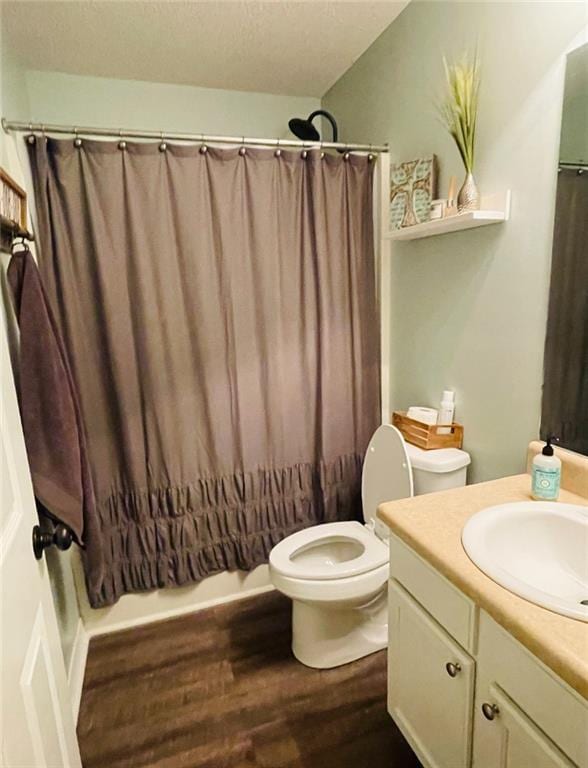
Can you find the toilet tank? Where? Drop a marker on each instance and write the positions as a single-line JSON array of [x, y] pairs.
[[437, 470]]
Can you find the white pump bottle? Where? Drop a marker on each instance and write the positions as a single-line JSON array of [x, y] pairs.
[[446, 411]]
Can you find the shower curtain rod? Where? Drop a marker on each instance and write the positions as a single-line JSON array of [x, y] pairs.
[[133, 133]]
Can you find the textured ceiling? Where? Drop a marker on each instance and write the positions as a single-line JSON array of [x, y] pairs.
[[297, 48]]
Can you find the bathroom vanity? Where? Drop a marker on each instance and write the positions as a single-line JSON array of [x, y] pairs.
[[476, 675]]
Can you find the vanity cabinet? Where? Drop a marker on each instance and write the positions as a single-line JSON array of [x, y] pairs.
[[462, 690], [424, 657], [513, 739]]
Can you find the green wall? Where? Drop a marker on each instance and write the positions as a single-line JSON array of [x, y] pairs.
[[103, 102], [13, 93], [469, 308]]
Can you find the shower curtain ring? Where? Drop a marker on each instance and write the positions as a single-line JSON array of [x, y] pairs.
[[122, 144], [321, 149], [77, 140], [242, 150], [278, 151], [31, 136], [162, 144]]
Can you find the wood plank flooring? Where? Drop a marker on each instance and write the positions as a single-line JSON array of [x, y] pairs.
[[221, 689]]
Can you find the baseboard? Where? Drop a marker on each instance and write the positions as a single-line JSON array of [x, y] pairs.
[[171, 613], [77, 667]]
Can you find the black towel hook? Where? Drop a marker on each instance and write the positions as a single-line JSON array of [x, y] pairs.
[[21, 241]]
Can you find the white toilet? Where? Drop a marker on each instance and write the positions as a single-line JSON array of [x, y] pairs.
[[336, 573]]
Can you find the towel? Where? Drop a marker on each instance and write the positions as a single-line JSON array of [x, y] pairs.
[[50, 414]]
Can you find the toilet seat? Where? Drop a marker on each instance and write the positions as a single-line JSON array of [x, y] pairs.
[[329, 551], [386, 475]]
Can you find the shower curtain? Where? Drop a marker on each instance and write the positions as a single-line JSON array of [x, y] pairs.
[[219, 312]]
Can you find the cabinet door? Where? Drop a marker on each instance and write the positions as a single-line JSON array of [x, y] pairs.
[[430, 701], [511, 740]]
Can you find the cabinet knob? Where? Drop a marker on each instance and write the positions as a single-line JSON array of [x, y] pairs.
[[489, 710], [453, 669]]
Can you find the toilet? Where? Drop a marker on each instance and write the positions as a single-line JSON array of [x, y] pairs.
[[336, 573]]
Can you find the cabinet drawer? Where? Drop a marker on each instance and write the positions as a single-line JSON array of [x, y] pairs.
[[555, 708], [450, 607], [431, 705]]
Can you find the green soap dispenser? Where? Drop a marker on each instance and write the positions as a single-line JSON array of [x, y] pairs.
[[546, 474]]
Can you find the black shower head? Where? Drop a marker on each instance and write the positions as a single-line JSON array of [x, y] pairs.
[[305, 130]]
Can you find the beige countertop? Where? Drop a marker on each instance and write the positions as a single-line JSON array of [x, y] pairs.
[[432, 524]]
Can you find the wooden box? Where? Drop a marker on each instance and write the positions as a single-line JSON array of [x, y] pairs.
[[427, 436]]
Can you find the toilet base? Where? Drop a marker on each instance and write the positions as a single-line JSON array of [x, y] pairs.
[[325, 636]]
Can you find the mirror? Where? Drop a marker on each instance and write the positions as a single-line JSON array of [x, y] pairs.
[[564, 410]]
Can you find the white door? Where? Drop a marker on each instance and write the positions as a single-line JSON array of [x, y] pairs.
[[36, 715], [506, 738], [430, 684]]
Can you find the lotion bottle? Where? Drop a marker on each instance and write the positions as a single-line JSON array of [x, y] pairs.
[[446, 411], [546, 474]]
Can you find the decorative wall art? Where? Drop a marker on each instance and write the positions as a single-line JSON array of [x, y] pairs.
[[413, 184]]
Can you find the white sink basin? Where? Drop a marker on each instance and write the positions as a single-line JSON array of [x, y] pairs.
[[536, 549]]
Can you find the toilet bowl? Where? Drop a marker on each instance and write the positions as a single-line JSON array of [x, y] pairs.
[[336, 573]]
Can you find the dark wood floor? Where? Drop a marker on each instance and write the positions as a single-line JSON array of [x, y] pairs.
[[221, 689]]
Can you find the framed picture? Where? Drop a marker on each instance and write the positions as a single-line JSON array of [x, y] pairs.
[[413, 184]]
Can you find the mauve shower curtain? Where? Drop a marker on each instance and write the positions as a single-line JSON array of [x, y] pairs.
[[219, 312]]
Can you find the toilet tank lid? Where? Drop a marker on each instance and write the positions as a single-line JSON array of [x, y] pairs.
[[438, 460]]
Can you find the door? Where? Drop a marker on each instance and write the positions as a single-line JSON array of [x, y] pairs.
[[506, 738], [36, 715], [430, 684]]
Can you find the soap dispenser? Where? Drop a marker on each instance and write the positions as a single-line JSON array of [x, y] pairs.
[[546, 474]]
